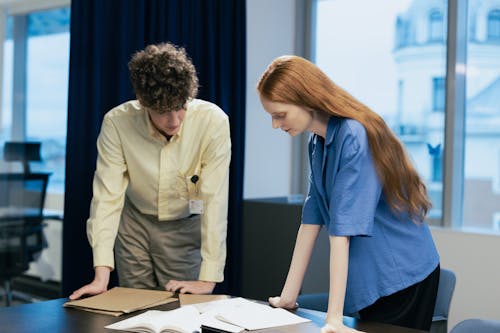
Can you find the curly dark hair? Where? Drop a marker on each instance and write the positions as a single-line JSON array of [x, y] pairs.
[[163, 77]]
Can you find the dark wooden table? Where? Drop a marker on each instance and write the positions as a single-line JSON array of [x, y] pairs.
[[52, 317]]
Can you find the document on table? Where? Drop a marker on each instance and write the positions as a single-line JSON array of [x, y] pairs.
[[119, 300], [231, 315], [242, 314], [187, 299], [180, 320], [253, 316]]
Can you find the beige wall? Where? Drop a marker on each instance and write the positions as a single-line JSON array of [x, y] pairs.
[[475, 259]]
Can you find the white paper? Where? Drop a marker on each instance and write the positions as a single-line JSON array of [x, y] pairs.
[[182, 320], [255, 316], [208, 319], [232, 315], [245, 314]]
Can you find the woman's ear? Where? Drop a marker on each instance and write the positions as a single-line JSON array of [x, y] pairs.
[[314, 112]]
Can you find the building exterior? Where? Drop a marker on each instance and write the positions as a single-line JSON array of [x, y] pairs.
[[420, 57]]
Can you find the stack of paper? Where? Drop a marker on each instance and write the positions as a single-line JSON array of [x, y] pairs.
[[119, 300], [229, 315], [243, 314]]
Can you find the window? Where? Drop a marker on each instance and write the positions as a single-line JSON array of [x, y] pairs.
[[481, 203], [34, 59], [395, 83], [494, 25], [438, 94], [401, 33], [436, 26], [35, 86]]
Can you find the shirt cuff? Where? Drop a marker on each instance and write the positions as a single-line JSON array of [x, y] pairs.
[[211, 271], [103, 257]]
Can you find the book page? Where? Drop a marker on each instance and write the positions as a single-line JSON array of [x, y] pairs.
[[181, 320]]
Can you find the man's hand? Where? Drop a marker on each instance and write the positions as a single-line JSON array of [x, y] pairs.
[[279, 302], [191, 287], [97, 286]]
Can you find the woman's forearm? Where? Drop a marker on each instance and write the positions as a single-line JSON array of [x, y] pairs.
[[304, 245], [339, 260]]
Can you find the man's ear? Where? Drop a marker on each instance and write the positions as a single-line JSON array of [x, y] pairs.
[[139, 100]]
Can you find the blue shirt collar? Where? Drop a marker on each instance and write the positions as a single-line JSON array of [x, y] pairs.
[[331, 130]]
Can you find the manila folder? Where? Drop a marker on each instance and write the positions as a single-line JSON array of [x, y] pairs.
[[120, 300]]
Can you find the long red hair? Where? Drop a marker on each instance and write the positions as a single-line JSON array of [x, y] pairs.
[[295, 80]]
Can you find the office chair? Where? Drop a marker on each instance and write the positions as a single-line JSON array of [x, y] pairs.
[[477, 326], [447, 281], [22, 199], [317, 301], [23, 152]]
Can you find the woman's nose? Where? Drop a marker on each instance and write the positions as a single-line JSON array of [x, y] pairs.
[[275, 123]]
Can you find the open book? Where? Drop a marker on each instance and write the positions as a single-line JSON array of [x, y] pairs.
[[181, 320], [231, 315]]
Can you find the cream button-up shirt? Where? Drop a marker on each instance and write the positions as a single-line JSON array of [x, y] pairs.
[[135, 160]]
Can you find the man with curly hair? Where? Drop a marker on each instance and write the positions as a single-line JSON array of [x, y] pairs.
[[160, 190]]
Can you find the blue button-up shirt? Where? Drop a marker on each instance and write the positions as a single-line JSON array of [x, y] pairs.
[[388, 252]]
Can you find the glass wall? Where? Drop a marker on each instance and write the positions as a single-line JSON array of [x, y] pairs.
[[482, 117], [393, 58], [35, 87]]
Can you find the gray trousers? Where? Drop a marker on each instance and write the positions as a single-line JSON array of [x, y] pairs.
[[148, 252]]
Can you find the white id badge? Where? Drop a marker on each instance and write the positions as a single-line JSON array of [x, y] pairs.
[[195, 206]]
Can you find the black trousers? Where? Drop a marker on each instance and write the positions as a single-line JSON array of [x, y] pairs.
[[412, 307]]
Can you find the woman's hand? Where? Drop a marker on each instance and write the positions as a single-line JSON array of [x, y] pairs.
[[279, 302], [338, 327]]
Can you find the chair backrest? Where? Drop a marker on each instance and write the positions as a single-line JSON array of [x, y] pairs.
[[23, 152], [24, 192], [318, 302], [22, 198], [446, 287], [447, 281], [477, 326]]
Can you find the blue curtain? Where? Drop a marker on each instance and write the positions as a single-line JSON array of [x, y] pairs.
[[104, 35]]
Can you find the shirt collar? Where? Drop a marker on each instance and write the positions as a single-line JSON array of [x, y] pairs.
[[331, 130]]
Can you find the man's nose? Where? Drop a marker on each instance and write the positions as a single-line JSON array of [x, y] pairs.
[[173, 118], [276, 123]]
